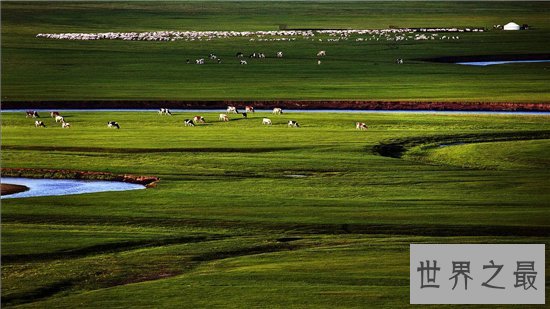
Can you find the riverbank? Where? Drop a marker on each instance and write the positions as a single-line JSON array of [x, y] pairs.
[[7, 189], [286, 104], [147, 181]]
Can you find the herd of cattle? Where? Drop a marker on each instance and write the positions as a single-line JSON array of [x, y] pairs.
[[256, 55], [187, 122]]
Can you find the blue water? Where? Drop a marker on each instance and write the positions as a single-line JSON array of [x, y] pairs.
[[486, 63], [55, 187], [46, 112]]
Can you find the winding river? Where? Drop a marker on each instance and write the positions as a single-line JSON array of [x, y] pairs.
[[56, 187]]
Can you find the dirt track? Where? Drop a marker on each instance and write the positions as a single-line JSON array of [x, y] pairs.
[[287, 104]]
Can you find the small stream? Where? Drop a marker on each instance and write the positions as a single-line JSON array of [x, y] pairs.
[[56, 187]]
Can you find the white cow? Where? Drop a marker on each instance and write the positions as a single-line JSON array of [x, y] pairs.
[[321, 53], [361, 126], [277, 111], [65, 125], [59, 119], [232, 109], [279, 54], [223, 117], [243, 62], [267, 121]]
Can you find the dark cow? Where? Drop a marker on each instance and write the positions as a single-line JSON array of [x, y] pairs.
[[189, 123], [245, 115], [113, 124], [32, 114]]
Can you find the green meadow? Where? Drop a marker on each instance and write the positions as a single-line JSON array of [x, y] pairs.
[[253, 216], [247, 215], [46, 69]]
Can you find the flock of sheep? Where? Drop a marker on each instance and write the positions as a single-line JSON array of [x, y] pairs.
[[280, 35], [187, 122]]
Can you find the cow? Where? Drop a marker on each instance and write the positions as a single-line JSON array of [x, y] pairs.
[[294, 124], [199, 61], [267, 121], [198, 119], [59, 119], [188, 123], [32, 114], [113, 124], [39, 123], [249, 109], [212, 56], [219, 60], [232, 109], [361, 126], [277, 111], [245, 115], [243, 62], [321, 53], [279, 54], [165, 111], [239, 55], [399, 61], [318, 62], [65, 125], [54, 114], [188, 61], [223, 117]]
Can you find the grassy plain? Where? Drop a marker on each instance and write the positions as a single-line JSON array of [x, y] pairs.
[[229, 225], [43, 69]]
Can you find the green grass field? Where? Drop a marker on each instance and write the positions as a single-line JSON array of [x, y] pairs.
[[253, 216], [226, 225], [42, 69]]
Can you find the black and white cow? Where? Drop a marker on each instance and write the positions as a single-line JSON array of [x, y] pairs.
[[245, 115], [232, 109], [189, 123], [361, 126], [113, 124], [165, 111], [39, 123], [294, 124]]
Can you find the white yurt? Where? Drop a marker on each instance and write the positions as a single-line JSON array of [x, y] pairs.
[[511, 26]]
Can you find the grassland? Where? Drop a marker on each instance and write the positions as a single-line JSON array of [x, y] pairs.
[[229, 226], [41, 69]]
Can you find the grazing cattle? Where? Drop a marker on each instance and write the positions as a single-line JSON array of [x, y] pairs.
[[65, 125], [219, 60], [399, 61], [39, 123], [321, 53], [33, 114], [249, 109], [318, 61], [267, 121], [113, 124], [239, 55], [223, 117], [232, 109], [189, 123], [165, 111], [54, 114], [199, 61], [245, 115], [59, 119], [279, 54], [212, 56], [243, 62], [294, 124], [277, 111], [361, 126], [198, 119]]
